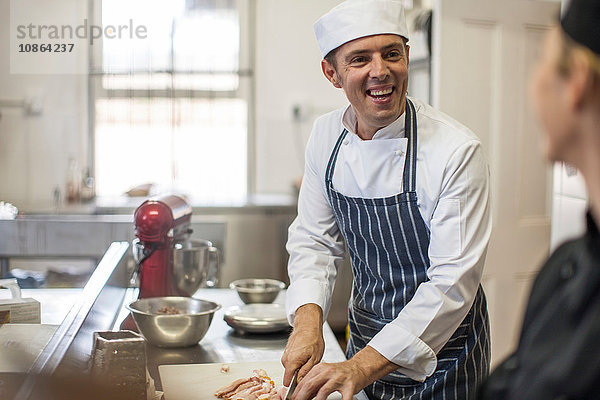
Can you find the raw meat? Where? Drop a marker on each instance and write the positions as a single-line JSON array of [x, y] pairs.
[[169, 310], [257, 387]]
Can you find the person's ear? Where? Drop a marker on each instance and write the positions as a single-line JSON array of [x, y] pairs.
[[330, 73], [580, 80]]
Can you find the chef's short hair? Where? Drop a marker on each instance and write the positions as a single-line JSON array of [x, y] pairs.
[[330, 57]]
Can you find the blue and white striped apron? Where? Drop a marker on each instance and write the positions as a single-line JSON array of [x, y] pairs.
[[388, 243]]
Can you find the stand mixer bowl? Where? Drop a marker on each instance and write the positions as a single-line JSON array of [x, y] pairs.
[[195, 264]]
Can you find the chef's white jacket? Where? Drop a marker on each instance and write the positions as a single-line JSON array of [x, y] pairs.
[[453, 199]]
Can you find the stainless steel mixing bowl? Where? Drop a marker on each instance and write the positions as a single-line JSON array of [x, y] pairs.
[[186, 328], [195, 264], [257, 290]]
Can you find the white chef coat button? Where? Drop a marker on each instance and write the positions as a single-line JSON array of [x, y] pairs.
[[346, 141], [399, 152]]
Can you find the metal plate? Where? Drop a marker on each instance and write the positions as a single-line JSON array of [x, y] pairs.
[[257, 318]]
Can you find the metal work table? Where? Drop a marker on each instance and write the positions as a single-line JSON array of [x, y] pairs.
[[100, 306], [223, 344]]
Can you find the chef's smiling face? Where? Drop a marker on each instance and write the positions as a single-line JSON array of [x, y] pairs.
[[373, 72]]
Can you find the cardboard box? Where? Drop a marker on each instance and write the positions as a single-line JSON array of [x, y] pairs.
[[18, 310]]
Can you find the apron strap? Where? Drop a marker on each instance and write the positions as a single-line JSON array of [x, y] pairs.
[[333, 158], [410, 131]]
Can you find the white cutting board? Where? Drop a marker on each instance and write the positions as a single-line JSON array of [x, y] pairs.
[[200, 381], [21, 344]]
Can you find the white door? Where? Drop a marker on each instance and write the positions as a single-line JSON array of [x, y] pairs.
[[484, 51]]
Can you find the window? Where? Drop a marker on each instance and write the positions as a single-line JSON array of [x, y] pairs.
[[171, 108]]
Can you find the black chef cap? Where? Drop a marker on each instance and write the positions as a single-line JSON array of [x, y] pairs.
[[582, 23]]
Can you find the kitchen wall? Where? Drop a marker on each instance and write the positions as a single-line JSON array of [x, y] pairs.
[[35, 149], [288, 74]]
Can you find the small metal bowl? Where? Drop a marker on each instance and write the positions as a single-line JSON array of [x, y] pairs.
[[182, 329], [257, 290]]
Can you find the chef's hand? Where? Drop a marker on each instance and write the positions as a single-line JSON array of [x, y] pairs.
[[305, 346], [347, 377]]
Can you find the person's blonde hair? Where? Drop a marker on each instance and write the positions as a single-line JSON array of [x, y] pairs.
[[570, 47]]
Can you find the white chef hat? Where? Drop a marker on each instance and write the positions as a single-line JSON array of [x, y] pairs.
[[354, 19]]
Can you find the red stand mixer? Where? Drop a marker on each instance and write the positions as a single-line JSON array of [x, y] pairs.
[[159, 224], [170, 264]]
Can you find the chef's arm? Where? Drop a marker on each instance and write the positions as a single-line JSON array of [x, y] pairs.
[[305, 346], [314, 241], [460, 230], [370, 366], [316, 248]]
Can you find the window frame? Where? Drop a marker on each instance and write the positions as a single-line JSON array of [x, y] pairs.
[[245, 89]]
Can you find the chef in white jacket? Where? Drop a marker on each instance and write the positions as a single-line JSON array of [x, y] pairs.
[[405, 190]]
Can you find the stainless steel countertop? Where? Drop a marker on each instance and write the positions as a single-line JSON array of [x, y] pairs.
[[223, 344]]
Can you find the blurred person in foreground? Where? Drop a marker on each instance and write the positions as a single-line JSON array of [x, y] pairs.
[[406, 189], [558, 355]]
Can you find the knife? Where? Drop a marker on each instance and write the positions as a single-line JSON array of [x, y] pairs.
[[293, 385]]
